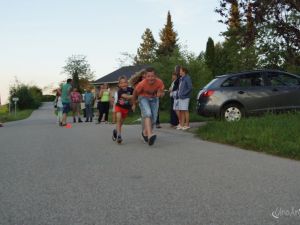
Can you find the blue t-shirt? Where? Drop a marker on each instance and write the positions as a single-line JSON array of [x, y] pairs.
[[88, 98]]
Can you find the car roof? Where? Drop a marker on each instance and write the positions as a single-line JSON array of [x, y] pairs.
[[251, 71]]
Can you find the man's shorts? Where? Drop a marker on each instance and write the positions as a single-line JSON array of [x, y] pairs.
[[75, 107], [66, 107], [124, 112]]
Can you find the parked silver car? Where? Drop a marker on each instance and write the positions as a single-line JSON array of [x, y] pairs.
[[234, 96]]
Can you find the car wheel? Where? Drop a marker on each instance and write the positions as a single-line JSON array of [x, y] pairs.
[[232, 112]]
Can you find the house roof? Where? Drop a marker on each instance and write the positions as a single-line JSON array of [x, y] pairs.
[[127, 71]]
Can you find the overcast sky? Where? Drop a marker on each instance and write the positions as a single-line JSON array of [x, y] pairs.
[[37, 36]]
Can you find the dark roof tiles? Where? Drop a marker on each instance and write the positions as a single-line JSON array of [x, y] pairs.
[[127, 71]]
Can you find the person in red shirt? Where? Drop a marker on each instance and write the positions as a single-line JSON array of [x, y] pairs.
[[148, 92]]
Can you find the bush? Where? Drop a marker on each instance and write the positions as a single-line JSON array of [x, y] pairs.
[[30, 97], [48, 98]]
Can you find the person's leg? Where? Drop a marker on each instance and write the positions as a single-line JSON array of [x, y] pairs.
[[59, 115], [119, 122], [157, 123], [88, 111], [66, 109], [187, 118], [181, 116], [178, 116], [106, 111], [73, 107], [100, 114], [78, 112], [173, 115], [154, 104], [146, 113], [114, 116], [148, 126], [87, 115]]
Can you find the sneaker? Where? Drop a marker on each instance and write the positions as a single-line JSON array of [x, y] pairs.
[[145, 138], [79, 120], [152, 139], [185, 128], [114, 136], [119, 139], [158, 126]]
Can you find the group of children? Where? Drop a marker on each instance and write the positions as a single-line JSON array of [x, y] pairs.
[[148, 88], [145, 90]]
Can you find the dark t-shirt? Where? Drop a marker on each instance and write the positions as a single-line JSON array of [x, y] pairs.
[[122, 102], [176, 84]]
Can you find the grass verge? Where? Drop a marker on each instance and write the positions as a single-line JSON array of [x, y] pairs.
[[5, 116], [272, 134], [164, 117]]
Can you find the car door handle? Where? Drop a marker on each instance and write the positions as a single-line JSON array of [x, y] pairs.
[[241, 92]]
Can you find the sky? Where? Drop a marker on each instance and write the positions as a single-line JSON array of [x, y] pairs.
[[37, 36]]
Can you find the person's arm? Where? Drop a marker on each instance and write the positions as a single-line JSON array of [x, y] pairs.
[[161, 90], [100, 93], [134, 97], [187, 87]]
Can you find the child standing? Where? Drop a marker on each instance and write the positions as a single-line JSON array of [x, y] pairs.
[[59, 107], [122, 107]]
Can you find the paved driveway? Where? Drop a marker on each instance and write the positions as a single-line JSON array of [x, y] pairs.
[[57, 176]]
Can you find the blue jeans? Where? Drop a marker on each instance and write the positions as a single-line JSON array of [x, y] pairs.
[[88, 111], [149, 108]]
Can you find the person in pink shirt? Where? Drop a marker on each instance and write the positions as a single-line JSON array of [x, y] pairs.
[[76, 99]]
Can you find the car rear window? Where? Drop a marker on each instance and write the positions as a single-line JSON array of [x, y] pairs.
[[281, 79]]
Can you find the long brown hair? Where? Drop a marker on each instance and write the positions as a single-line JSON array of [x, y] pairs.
[[137, 77]]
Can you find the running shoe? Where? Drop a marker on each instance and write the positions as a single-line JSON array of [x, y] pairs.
[[152, 139], [114, 136], [119, 139], [145, 138]]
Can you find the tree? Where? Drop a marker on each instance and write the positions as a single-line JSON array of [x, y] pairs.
[[146, 51], [78, 68], [210, 54], [168, 38], [274, 25], [30, 97]]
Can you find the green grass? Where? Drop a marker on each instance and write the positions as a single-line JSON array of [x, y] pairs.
[[272, 134], [164, 117], [5, 116]]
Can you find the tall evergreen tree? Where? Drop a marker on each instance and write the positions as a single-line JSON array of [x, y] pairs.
[[273, 26], [168, 38], [210, 54], [147, 50]]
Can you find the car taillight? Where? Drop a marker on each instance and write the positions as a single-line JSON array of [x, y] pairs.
[[207, 93]]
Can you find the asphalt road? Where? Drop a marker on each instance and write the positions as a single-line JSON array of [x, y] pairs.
[[56, 176]]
